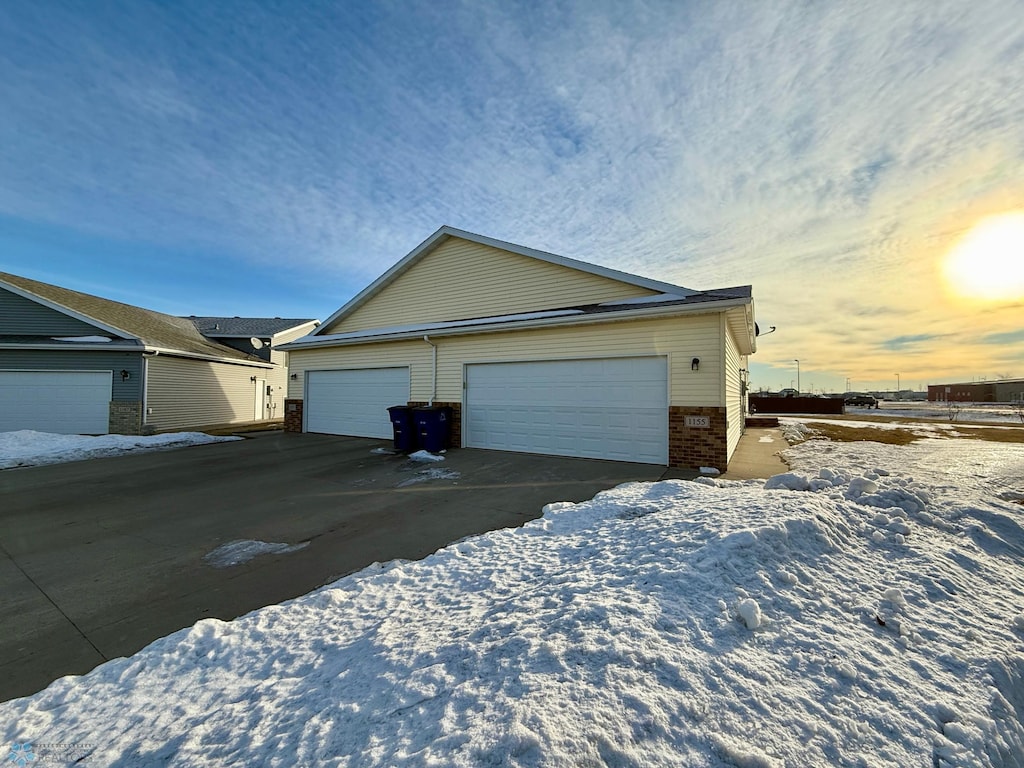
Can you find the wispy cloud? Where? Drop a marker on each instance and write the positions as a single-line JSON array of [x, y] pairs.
[[826, 153]]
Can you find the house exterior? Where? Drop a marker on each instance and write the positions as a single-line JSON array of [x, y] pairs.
[[999, 391], [79, 364], [533, 352]]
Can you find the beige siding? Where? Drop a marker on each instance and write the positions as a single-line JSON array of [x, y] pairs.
[[461, 279], [414, 354], [681, 339], [734, 399], [184, 393]]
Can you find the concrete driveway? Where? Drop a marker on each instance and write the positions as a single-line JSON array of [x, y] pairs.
[[99, 558]]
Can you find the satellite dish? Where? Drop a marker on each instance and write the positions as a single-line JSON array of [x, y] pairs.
[[256, 343]]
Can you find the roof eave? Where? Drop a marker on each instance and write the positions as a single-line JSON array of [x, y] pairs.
[[548, 322], [213, 358], [75, 346]]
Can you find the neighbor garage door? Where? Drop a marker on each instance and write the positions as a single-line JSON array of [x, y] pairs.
[[354, 402], [65, 402], [613, 408]]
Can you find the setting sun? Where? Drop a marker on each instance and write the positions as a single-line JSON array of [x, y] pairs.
[[988, 262]]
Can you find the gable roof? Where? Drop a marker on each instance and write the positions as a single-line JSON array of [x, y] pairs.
[[245, 327], [445, 233], [153, 330]]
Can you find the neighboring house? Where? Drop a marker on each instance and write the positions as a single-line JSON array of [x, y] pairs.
[[79, 364], [533, 352]]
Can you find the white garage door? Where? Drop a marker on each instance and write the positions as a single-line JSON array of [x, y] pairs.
[[65, 402], [614, 408], [354, 402]]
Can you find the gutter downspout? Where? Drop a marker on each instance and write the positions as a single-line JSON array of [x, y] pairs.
[[433, 372], [145, 386]]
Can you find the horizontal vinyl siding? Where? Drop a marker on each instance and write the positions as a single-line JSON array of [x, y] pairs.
[[460, 280], [735, 412], [681, 339], [22, 317], [44, 360], [184, 393]]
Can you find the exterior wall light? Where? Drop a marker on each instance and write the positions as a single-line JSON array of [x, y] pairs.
[[695, 364], [125, 375]]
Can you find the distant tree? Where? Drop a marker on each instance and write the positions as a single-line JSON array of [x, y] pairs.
[[1004, 376]]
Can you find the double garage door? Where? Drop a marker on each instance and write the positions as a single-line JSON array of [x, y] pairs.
[[614, 408], [64, 402]]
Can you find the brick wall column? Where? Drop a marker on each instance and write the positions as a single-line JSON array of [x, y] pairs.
[[292, 415], [693, 447], [125, 417]]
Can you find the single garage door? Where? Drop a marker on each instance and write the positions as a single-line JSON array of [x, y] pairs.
[[354, 402], [65, 402], [614, 408]]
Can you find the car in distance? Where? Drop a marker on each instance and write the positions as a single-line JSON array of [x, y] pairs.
[[788, 392], [860, 398]]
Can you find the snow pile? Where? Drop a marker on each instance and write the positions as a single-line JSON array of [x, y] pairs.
[[26, 448], [425, 456], [795, 431], [677, 623], [243, 550]]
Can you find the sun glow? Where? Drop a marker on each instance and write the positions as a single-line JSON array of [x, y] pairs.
[[987, 263]]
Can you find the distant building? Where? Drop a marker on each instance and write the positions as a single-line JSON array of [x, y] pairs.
[[1004, 391]]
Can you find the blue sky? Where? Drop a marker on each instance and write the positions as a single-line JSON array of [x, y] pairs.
[[274, 158]]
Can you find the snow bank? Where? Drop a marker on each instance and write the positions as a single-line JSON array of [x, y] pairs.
[[27, 448], [675, 623]]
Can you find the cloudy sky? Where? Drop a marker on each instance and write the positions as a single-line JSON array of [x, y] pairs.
[[273, 158]]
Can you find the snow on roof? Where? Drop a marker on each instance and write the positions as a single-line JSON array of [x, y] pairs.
[[741, 294]]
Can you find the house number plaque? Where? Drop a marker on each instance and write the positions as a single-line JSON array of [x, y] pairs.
[[698, 422]]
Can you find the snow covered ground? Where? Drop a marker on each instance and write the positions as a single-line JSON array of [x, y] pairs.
[[874, 619], [995, 413], [26, 448]]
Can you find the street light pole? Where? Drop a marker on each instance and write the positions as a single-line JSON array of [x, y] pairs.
[[897, 386], [797, 376]]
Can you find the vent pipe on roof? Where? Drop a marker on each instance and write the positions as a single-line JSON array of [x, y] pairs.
[[433, 374]]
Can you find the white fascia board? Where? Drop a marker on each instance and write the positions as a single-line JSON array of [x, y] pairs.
[[76, 347], [445, 232], [564, 320], [565, 261], [66, 311], [312, 324], [199, 356]]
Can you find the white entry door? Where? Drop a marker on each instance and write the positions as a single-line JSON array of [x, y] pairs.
[[354, 402], [613, 408], [64, 402]]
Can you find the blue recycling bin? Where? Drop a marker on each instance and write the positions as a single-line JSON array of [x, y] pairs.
[[403, 427], [433, 427]]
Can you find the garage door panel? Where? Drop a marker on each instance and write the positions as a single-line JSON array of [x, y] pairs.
[[354, 401], [62, 402], [614, 408]]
